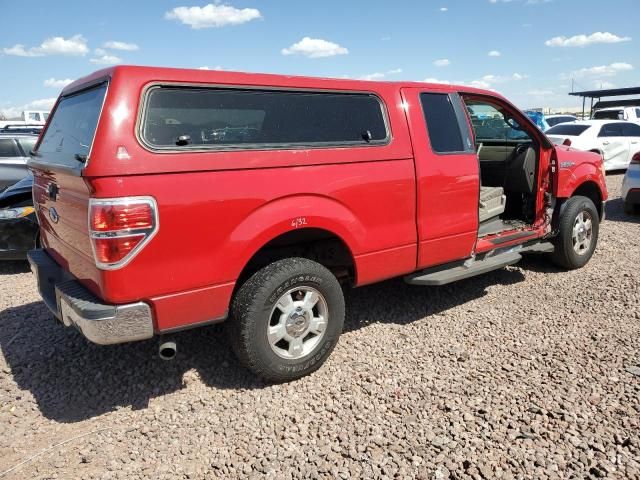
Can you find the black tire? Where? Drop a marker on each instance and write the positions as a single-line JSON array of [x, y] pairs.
[[565, 255], [252, 313], [630, 208]]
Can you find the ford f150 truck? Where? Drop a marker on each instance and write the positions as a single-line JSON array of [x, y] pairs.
[[170, 199]]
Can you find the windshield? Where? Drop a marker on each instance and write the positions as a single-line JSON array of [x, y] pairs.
[[570, 129], [68, 138], [609, 115]]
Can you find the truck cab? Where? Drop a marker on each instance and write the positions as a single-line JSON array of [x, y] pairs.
[[170, 199]]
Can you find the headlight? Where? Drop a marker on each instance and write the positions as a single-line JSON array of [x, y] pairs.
[[18, 212]]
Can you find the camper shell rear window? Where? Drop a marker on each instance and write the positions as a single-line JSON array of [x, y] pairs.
[[69, 135], [212, 118]]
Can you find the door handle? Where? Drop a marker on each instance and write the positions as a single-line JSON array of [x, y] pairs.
[[634, 142], [605, 143]]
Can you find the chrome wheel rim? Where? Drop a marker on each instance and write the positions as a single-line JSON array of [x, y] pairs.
[[297, 323], [582, 232]]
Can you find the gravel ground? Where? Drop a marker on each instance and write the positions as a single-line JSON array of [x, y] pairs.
[[527, 372]]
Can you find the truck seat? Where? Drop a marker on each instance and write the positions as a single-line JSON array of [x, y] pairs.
[[492, 202]]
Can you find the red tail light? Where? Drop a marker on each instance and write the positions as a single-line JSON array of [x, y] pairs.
[[120, 227], [636, 158], [567, 142]]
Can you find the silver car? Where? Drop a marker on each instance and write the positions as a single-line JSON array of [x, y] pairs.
[[631, 186], [14, 152]]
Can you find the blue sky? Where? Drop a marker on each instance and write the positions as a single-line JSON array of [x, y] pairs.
[[538, 46]]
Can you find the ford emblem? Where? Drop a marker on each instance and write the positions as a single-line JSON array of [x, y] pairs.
[[53, 215]]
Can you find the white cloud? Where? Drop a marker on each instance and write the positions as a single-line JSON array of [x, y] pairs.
[[442, 62], [41, 104], [436, 80], [212, 15], [540, 93], [114, 45], [600, 71], [106, 60], [217, 68], [315, 48], [76, 45], [54, 83], [444, 9], [494, 53], [517, 76], [585, 40], [380, 75]]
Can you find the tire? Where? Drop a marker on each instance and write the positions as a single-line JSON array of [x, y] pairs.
[[630, 208], [574, 213], [278, 302]]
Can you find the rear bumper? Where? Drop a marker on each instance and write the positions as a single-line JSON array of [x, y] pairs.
[[74, 305]]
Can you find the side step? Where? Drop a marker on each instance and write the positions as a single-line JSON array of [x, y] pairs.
[[448, 275]]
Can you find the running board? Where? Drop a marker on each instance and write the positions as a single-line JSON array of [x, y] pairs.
[[477, 267]]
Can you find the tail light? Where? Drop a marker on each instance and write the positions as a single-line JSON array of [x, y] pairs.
[[120, 227], [636, 159], [567, 142]]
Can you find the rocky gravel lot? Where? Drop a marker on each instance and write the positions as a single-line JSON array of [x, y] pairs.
[[527, 372]]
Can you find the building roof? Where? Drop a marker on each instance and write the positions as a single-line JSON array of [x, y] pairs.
[[609, 92]]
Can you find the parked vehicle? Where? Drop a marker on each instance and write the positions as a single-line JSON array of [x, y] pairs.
[[539, 119], [18, 222], [616, 141], [14, 153], [631, 114], [631, 186], [554, 120], [258, 198], [21, 128]]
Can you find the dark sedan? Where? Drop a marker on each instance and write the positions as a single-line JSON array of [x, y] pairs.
[[18, 223]]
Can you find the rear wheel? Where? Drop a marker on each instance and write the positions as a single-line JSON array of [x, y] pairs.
[[630, 208], [578, 233], [287, 319]]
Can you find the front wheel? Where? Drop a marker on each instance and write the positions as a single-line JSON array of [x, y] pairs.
[[578, 233], [286, 319]]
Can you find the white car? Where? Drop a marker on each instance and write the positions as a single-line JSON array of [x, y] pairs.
[[616, 141], [617, 113], [554, 120], [631, 186]]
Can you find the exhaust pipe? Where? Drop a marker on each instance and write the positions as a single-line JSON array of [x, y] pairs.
[[167, 350]]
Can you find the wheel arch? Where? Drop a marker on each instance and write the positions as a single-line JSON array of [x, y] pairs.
[[313, 227]]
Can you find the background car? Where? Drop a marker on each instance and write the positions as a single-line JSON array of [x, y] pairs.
[[631, 186], [14, 153], [538, 118], [616, 141], [18, 223], [617, 113], [554, 120]]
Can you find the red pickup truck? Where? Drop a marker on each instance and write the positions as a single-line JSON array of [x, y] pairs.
[[170, 199]]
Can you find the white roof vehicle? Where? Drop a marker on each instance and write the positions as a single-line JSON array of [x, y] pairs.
[[616, 141], [631, 114]]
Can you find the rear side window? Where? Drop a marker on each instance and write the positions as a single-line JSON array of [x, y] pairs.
[[8, 148], [612, 130], [68, 138], [567, 129], [196, 118], [443, 124], [631, 130], [27, 144]]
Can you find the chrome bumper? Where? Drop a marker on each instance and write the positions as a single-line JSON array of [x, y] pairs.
[[74, 305]]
